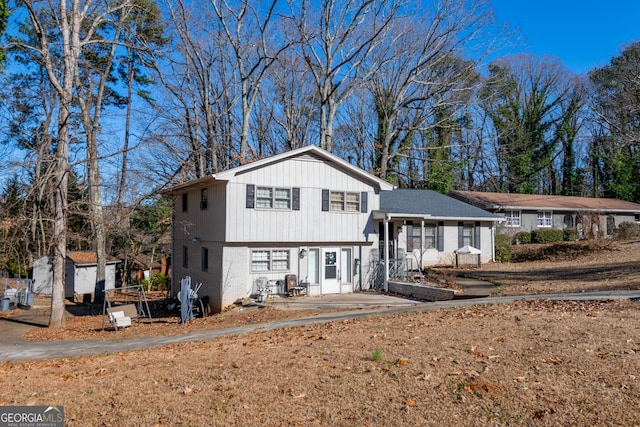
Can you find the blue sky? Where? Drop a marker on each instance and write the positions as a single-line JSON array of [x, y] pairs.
[[583, 34]]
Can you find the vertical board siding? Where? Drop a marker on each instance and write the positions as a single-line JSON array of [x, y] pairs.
[[309, 223]]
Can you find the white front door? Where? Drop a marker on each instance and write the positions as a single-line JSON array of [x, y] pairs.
[[330, 271]]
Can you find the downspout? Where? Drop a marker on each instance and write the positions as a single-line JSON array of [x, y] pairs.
[[422, 232], [386, 253], [493, 241]]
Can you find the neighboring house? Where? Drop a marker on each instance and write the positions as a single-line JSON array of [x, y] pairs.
[[428, 228], [526, 212], [305, 213], [80, 273]]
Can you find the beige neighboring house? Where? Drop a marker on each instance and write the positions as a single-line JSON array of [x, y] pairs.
[[596, 217]]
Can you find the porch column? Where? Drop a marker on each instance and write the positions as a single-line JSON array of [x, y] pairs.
[[386, 254], [422, 232]]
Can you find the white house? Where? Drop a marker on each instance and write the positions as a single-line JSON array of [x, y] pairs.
[[80, 273], [305, 213], [426, 228]]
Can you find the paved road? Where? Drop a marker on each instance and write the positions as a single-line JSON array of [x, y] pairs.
[[33, 350]]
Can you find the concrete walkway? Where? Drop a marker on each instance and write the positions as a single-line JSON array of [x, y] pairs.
[[33, 350]]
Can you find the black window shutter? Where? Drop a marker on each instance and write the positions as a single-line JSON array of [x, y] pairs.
[[409, 236], [325, 200], [460, 234], [251, 196], [441, 236], [364, 206], [295, 199], [476, 236]]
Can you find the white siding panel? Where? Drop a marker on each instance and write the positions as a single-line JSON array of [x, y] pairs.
[[308, 224], [236, 281]]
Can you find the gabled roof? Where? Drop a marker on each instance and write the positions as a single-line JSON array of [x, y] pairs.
[[429, 204], [507, 201], [309, 149]]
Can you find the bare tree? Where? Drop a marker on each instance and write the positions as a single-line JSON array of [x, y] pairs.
[[73, 24], [291, 98], [424, 80], [198, 124], [248, 30], [335, 40]]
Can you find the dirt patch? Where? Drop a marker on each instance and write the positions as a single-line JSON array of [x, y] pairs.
[[527, 363]]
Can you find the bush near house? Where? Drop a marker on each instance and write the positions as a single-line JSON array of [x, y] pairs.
[[570, 234], [547, 236], [523, 238], [503, 248], [628, 230]]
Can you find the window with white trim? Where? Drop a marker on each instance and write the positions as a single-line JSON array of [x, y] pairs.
[[345, 201], [467, 235], [270, 260], [512, 218], [545, 219], [273, 198], [430, 236], [416, 237]]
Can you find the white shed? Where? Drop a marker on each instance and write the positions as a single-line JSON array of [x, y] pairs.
[[80, 273]]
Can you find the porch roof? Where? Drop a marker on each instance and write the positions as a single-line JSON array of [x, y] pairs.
[[427, 204]]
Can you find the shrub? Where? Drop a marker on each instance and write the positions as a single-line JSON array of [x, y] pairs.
[[523, 238], [159, 282], [546, 235], [569, 234], [628, 230], [503, 248]]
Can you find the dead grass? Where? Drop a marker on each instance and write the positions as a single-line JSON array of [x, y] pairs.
[[566, 267], [526, 363]]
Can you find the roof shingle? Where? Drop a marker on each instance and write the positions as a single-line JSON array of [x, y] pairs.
[[488, 200]]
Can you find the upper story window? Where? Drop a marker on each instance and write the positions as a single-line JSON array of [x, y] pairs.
[[185, 202], [272, 198], [545, 219], [512, 219], [344, 201], [203, 198]]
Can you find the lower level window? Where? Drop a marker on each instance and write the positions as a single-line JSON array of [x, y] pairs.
[[270, 260], [545, 219], [430, 236], [467, 235]]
